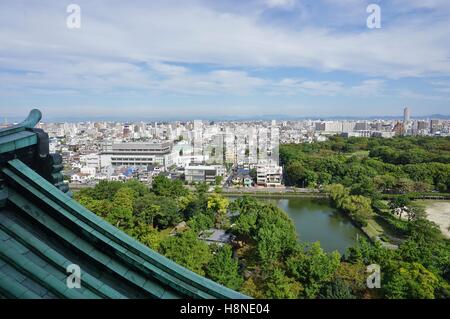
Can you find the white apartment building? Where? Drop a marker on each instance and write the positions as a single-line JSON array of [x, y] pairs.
[[183, 161], [348, 126], [269, 175], [328, 126], [365, 133], [91, 160]]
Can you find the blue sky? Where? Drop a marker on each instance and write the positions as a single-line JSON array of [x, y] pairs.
[[233, 58]]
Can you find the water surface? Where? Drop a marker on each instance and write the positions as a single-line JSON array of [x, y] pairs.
[[316, 220]]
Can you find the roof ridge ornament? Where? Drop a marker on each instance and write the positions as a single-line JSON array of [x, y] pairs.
[[32, 119]]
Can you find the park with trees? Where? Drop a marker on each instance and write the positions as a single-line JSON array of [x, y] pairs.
[[371, 166]]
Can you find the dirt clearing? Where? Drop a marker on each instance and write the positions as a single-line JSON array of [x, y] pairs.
[[439, 212]]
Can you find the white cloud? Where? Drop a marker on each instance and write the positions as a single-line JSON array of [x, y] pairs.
[[285, 4], [296, 86], [441, 86], [122, 46], [168, 69], [427, 4], [366, 88], [410, 94], [214, 82]]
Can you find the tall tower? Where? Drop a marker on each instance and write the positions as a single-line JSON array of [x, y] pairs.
[[406, 115]]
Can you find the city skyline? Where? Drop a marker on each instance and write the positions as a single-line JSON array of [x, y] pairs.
[[226, 118], [202, 59]]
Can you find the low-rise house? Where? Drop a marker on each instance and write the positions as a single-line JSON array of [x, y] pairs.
[[216, 236], [248, 181], [203, 173], [88, 170]]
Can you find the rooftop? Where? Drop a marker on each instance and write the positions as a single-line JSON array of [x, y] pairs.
[[216, 235]]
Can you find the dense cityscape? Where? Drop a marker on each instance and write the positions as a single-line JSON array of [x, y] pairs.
[[202, 151], [230, 200]]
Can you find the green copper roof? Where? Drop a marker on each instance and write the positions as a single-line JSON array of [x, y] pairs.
[[43, 230], [17, 136]]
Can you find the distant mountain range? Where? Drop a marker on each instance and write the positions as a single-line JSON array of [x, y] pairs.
[[267, 117]]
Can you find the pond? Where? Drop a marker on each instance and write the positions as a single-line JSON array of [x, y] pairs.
[[316, 220]]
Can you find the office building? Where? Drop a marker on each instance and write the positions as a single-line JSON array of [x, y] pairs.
[[203, 173], [138, 154]]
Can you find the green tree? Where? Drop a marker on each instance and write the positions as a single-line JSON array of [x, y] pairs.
[[280, 286], [201, 188], [411, 281], [224, 269], [425, 245], [297, 174], [218, 180], [251, 289], [219, 205], [400, 202], [201, 221], [139, 189], [337, 289], [403, 186], [266, 225], [337, 193], [163, 186], [358, 207], [101, 207], [365, 187], [276, 236], [384, 183], [246, 223], [105, 190], [121, 214], [169, 213], [353, 275], [146, 208], [249, 210], [367, 253], [313, 268], [147, 235], [186, 250]]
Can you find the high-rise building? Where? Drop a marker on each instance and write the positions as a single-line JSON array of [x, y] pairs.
[[399, 129], [361, 126], [436, 126], [198, 137], [330, 126], [406, 115], [422, 125]]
